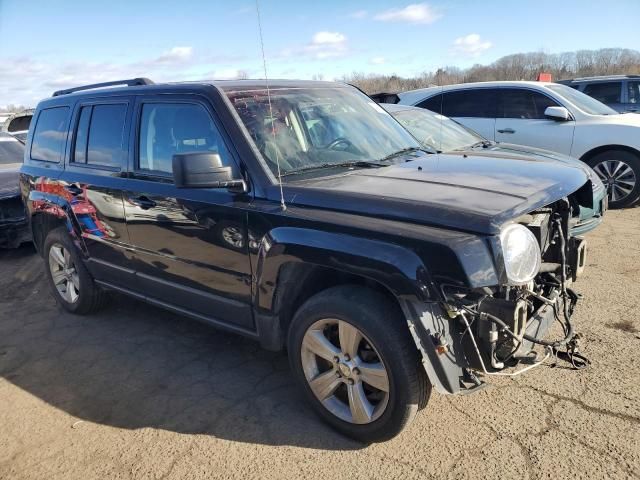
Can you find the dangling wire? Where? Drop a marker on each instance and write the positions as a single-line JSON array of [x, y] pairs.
[[273, 124]]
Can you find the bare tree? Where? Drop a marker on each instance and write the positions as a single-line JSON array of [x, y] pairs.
[[519, 66]]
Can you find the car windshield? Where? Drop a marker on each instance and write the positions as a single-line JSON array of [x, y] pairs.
[[11, 150], [582, 101], [303, 129], [436, 131]]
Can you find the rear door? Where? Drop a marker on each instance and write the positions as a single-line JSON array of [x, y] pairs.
[[474, 107], [93, 181], [521, 120], [190, 245]]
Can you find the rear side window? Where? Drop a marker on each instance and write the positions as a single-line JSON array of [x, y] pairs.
[[470, 103], [633, 89], [523, 104], [434, 103], [50, 135], [100, 135], [19, 124], [606, 92], [167, 129]]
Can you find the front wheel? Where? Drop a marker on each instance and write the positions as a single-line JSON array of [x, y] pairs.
[[356, 362], [619, 170]]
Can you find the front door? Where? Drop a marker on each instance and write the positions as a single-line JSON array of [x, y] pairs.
[[190, 245], [521, 120]]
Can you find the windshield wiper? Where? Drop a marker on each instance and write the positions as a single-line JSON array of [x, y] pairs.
[[403, 151], [354, 164], [482, 143]]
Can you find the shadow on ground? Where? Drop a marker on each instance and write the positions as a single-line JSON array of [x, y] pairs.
[[133, 366]]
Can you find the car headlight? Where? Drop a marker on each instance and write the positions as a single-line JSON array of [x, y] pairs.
[[521, 254]]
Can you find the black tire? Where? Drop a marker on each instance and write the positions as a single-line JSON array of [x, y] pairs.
[[382, 324], [599, 164], [90, 297]]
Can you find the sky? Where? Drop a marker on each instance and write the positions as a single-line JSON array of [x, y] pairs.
[[47, 45]]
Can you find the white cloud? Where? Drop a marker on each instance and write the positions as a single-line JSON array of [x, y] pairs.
[[471, 45], [421, 13], [176, 54], [377, 60], [324, 38], [323, 45], [358, 14], [26, 80]]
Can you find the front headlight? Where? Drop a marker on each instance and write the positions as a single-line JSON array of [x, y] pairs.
[[521, 254]]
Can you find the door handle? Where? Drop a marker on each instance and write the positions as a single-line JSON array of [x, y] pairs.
[[73, 189], [507, 130], [143, 202]]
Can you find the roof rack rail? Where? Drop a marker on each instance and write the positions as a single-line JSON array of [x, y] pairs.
[[130, 83]]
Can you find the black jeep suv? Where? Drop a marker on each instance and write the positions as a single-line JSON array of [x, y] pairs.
[[382, 267]]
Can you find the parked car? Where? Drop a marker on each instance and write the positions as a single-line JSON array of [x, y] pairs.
[[548, 116], [620, 92], [442, 134], [303, 215], [18, 123], [14, 228]]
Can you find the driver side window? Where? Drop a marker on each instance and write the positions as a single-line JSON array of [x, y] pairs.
[[167, 129]]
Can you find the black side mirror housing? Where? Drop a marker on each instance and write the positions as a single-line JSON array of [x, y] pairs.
[[203, 170]]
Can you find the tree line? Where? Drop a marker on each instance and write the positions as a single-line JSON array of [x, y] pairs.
[[519, 66]]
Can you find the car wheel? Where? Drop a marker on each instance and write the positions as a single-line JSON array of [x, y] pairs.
[[620, 172], [72, 285], [352, 353]]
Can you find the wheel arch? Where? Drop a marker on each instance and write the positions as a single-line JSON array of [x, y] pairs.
[[605, 148], [295, 264], [48, 211]]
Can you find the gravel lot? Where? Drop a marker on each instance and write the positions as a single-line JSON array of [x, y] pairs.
[[136, 392]]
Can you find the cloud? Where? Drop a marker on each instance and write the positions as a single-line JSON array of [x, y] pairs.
[[26, 80], [377, 60], [420, 13], [323, 45], [471, 45], [358, 14], [175, 55]]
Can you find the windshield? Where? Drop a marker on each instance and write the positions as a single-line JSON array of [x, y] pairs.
[[316, 127], [11, 150], [584, 102], [436, 131]]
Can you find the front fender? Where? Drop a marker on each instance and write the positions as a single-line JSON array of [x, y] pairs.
[[396, 268]]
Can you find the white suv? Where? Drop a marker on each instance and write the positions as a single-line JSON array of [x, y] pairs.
[[550, 116]]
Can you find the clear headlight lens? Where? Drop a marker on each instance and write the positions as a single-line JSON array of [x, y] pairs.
[[521, 254]]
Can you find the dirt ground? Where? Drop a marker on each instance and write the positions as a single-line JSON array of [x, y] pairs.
[[136, 392]]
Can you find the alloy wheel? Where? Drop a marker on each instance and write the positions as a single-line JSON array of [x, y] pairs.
[[344, 371], [63, 273], [618, 177]]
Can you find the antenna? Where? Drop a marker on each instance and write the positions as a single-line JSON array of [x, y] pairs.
[[273, 125]]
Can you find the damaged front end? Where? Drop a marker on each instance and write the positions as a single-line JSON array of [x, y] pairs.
[[471, 333], [14, 227]]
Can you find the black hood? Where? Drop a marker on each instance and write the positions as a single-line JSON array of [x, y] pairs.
[[471, 191]]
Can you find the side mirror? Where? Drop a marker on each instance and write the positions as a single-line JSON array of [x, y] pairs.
[[560, 114], [203, 170]]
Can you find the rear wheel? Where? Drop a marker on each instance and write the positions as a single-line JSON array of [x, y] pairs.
[[619, 170], [71, 283], [357, 364]]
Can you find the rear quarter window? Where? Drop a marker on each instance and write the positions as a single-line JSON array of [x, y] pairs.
[[50, 134]]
